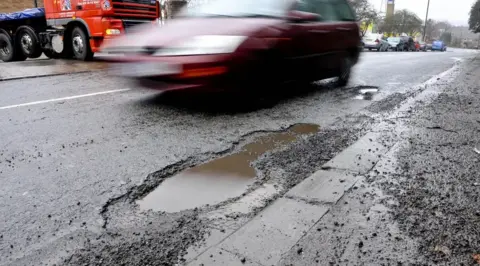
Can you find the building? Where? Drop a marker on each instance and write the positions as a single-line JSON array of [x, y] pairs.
[[390, 8], [7, 6]]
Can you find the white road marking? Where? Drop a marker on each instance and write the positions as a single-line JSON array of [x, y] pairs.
[[62, 99]]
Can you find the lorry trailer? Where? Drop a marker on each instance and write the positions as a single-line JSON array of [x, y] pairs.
[[70, 28]]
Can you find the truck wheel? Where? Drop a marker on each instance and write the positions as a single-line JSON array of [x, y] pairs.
[[81, 45], [6, 48], [27, 42]]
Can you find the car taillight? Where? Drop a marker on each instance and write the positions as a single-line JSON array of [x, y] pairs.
[[377, 41]]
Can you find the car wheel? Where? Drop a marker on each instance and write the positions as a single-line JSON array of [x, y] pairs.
[[344, 76], [81, 45], [27, 42]]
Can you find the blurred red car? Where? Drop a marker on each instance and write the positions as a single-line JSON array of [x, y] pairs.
[[417, 46], [231, 44]]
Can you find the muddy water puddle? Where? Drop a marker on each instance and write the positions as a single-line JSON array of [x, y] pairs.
[[220, 179]]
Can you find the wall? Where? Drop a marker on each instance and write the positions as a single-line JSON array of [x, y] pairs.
[[7, 6]]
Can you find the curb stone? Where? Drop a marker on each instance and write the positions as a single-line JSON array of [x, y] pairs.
[[349, 165], [274, 231]]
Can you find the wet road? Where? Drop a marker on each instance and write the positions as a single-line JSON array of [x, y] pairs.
[[73, 144]]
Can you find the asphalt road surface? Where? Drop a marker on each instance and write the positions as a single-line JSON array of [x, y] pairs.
[[79, 152]]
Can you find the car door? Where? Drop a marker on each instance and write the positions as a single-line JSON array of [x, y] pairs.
[[346, 31], [313, 41], [326, 38]]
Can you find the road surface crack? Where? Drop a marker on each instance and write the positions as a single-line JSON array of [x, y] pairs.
[[441, 128]]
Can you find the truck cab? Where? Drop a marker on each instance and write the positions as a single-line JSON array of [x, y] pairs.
[[73, 28]]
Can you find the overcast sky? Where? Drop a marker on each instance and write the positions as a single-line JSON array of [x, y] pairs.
[[457, 11]]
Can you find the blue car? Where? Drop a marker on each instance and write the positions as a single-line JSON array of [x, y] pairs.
[[439, 46]]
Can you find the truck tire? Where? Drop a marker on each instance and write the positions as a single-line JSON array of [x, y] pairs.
[[81, 45], [27, 42], [6, 48]]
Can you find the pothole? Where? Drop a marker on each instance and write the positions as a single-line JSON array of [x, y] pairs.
[[366, 93], [220, 179]]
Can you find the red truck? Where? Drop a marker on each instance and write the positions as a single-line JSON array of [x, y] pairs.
[[70, 28]]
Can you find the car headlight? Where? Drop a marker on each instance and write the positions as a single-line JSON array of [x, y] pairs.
[[201, 45]]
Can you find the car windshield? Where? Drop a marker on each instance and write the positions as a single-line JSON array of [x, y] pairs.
[[235, 8], [393, 39]]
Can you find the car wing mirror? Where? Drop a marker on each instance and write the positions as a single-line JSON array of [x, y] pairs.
[[296, 16]]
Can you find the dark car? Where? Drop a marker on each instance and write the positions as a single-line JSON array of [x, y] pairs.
[[406, 44], [227, 44], [402, 43]]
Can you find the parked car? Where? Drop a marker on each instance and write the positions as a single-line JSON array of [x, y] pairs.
[[393, 43], [429, 46], [407, 44], [439, 46], [417, 46], [375, 42], [399, 43], [423, 46], [238, 45]]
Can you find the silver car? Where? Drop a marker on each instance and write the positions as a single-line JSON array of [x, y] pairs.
[[375, 42]]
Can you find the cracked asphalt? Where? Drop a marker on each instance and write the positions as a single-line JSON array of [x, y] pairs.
[[72, 167]]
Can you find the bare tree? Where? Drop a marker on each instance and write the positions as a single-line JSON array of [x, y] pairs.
[[430, 29], [365, 13], [474, 20], [403, 21], [435, 29]]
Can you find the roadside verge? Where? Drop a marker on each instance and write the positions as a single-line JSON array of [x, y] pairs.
[[276, 231]]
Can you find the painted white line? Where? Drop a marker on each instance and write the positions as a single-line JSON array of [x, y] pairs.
[[61, 99]]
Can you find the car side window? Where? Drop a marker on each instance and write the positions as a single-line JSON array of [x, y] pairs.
[[321, 7], [325, 9], [343, 10], [306, 6]]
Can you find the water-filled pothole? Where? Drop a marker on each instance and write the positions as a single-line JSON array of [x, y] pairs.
[[366, 93], [220, 179]]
